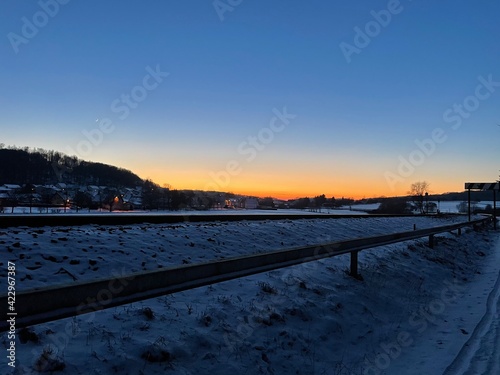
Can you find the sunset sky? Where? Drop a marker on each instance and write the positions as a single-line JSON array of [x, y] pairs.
[[283, 98]]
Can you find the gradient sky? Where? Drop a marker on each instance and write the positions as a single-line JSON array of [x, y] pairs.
[[352, 126]]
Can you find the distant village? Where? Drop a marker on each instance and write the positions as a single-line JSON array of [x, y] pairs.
[[59, 197], [62, 196]]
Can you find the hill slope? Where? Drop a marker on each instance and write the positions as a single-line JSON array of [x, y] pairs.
[[21, 166]]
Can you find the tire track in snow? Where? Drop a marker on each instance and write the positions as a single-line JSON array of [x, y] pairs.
[[494, 367], [481, 353], [486, 359]]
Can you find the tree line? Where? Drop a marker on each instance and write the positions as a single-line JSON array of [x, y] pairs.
[[38, 166]]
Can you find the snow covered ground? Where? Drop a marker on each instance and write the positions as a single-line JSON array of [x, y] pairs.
[[362, 207], [355, 209], [481, 352], [412, 313], [61, 211], [444, 206], [451, 206]]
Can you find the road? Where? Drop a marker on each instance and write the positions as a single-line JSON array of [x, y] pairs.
[[481, 353]]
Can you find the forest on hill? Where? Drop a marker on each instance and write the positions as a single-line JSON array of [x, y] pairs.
[[38, 166]]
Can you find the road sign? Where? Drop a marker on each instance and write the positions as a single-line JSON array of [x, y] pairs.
[[482, 185], [494, 186]]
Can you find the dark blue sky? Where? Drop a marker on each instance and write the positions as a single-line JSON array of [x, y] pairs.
[[355, 122]]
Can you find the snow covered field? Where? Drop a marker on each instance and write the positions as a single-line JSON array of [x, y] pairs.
[[355, 209], [451, 207], [60, 211], [412, 314], [444, 206]]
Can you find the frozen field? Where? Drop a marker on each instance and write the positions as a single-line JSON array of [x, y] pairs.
[[61, 211], [355, 209], [412, 314], [451, 207], [444, 206]]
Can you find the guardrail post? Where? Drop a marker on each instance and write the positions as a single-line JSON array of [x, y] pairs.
[[431, 241], [354, 264]]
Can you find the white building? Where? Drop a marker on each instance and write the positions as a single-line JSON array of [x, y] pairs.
[[251, 203]]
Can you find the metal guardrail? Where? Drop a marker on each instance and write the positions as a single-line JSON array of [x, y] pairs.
[[47, 304]]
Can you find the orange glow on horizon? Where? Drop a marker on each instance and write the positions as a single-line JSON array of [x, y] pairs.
[[279, 188], [296, 178]]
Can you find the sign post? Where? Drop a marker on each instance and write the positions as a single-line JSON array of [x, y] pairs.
[[494, 186], [468, 199], [495, 209]]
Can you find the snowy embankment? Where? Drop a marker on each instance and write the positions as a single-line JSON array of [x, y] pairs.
[[307, 319]]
